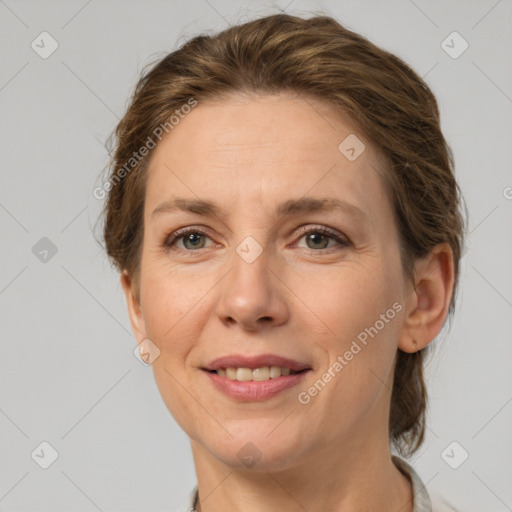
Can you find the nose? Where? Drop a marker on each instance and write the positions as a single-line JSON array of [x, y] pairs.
[[252, 295]]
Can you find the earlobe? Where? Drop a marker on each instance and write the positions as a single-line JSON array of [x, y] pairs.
[[429, 301], [133, 305]]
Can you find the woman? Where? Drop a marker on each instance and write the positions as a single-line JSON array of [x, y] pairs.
[[283, 211]]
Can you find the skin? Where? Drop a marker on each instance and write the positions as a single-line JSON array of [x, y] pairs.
[[304, 297]]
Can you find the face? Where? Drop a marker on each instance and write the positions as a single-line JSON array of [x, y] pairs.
[[296, 257]]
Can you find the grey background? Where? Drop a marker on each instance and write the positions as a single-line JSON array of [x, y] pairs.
[[68, 374]]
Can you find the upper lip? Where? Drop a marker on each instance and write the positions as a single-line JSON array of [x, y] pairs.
[[239, 361]]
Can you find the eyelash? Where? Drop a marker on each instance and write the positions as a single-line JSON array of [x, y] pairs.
[[170, 241]]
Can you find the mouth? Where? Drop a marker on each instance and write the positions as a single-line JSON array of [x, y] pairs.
[[261, 374], [255, 378]]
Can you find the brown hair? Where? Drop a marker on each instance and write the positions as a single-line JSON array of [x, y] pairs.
[[319, 58]]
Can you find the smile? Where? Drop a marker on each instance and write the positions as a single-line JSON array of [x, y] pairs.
[[254, 378], [256, 374]]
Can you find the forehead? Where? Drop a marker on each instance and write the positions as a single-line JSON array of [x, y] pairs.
[[268, 148]]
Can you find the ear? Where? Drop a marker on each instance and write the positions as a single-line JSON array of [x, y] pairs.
[[428, 303], [131, 292]]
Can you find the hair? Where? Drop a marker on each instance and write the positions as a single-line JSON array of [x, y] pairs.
[[318, 58]]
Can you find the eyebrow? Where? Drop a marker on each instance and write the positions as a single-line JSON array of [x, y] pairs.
[[286, 209]]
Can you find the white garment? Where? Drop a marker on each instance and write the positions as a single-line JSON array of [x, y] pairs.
[[421, 500]]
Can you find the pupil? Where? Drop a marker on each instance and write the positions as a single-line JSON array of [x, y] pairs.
[[193, 236], [314, 236]]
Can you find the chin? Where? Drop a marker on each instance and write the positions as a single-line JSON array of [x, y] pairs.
[[257, 451]]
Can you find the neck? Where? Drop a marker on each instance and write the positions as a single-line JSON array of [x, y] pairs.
[[360, 478]]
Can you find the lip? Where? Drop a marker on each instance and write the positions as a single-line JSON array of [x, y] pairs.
[[252, 362], [254, 391]]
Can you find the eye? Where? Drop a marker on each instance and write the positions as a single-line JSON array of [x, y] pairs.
[[194, 239], [318, 238], [191, 238]]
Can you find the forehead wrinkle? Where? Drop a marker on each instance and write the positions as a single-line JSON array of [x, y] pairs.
[[286, 209]]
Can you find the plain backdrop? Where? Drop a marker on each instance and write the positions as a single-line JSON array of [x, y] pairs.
[[69, 377]]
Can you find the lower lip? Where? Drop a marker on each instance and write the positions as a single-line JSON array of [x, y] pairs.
[[254, 391]]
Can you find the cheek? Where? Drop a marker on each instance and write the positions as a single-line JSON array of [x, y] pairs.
[[354, 299], [172, 310], [361, 312], [171, 305]]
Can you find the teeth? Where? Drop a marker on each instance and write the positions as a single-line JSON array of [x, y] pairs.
[[258, 374], [243, 374], [275, 371], [261, 373]]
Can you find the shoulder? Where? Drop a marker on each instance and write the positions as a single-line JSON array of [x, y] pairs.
[[421, 498], [422, 501], [439, 504]]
